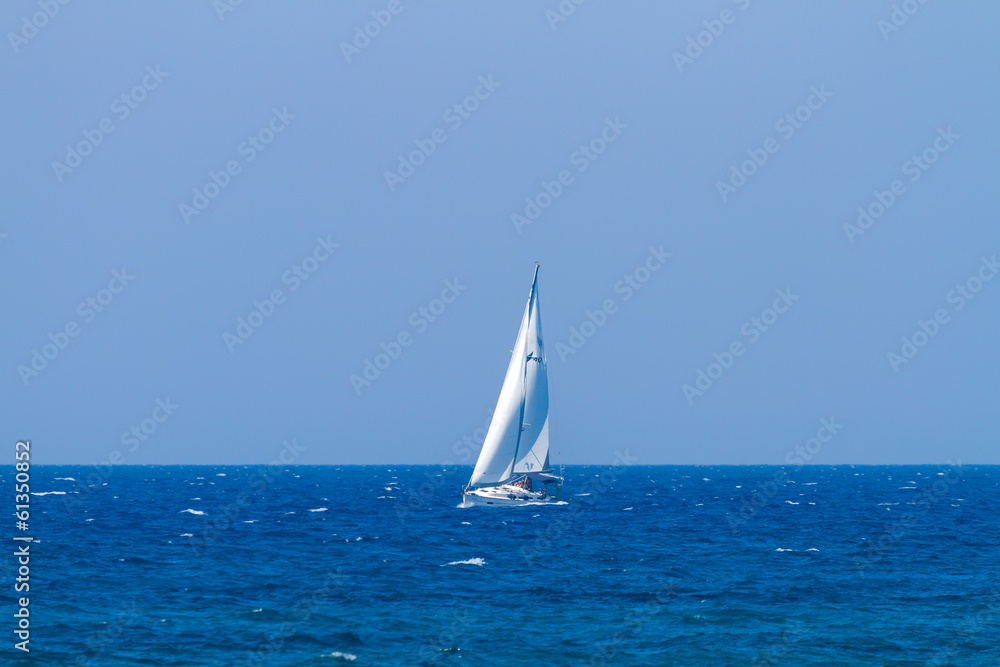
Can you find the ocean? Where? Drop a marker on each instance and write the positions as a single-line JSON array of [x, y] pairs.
[[377, 565]]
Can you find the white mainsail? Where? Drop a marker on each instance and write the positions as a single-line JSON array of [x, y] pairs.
[[533, 450], [518, 439]]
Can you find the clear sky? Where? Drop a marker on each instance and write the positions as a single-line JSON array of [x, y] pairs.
[[180, 165]]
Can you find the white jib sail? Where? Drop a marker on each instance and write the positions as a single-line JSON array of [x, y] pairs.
[[496, 460]]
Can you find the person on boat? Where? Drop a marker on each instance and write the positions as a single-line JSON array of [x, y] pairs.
[[527, 483]]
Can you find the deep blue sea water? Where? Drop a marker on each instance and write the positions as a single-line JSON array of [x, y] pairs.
[[644, 565]]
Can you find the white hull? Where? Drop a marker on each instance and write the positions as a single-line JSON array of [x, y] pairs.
[[506, 495]]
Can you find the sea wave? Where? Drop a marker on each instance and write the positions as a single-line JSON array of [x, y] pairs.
[[471, 561]]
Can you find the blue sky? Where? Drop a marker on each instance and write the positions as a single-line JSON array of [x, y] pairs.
[[231, 162]]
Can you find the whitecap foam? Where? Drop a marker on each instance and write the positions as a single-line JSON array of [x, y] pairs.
[[466, 523], [791, 502], [191, 511], [346, 657], [221, 474], [626, 509], [812, 549], [780, 549], [471, 561], [48, 493], [251, 521], [65, 479], [185, 535], [320, 509]]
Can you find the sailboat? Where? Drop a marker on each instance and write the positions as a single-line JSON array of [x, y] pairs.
[[513, 466]]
